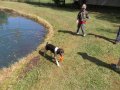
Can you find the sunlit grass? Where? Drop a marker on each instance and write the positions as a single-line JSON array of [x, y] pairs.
[[77, 72]]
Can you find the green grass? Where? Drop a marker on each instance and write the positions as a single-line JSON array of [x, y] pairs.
[[85, 59]]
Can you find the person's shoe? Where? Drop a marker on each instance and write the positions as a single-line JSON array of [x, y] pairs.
[[117, 68], [84, 35], [77, 33], [113, 66]]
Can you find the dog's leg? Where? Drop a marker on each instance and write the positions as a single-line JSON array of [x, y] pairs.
[[54, 57], [57, 63], [45, 51], [51, 54], [56, 60]]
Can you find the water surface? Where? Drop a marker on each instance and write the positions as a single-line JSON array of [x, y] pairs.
[[18, 37]]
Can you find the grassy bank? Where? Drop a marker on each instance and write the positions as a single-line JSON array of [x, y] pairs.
[[86, 58]]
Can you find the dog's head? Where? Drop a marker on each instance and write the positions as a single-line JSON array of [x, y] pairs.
[[60, 51]]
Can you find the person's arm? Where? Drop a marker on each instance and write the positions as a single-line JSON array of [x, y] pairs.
[[87, 16], [77, 21]]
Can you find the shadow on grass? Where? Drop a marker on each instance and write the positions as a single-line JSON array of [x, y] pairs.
[[67, 7], [109, 31], [107, 13], [105, 38], [97, 61], [49, 58], [112, 17], [69, 32], [111, 14]]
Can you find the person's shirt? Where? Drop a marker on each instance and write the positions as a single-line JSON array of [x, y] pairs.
[[82, 15]]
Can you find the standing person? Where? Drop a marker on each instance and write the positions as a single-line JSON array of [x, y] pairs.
[[118, 36], [81, 19]]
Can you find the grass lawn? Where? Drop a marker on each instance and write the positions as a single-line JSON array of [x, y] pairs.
[[86, 59]]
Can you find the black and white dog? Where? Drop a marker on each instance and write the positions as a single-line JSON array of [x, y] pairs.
[[55, 50]]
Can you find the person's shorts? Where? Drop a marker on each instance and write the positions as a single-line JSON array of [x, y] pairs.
[[82, 22]]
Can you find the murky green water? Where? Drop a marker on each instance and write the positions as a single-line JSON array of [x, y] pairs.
[[18, 37]]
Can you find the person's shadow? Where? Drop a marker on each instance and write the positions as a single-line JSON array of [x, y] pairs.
[[97, 61], [49, 58], [69, 32], [105, 38]]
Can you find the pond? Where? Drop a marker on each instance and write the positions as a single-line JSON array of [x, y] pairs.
[[19, 36]]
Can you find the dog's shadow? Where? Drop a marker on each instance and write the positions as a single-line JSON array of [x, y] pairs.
[[49, 58]]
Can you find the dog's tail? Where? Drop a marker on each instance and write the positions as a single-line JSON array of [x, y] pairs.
[[46, 43]]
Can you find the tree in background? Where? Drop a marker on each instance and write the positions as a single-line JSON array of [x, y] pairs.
[[79, 3], [59, 2]]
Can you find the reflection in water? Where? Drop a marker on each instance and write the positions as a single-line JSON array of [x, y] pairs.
[[3, 18], [18, 37]]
